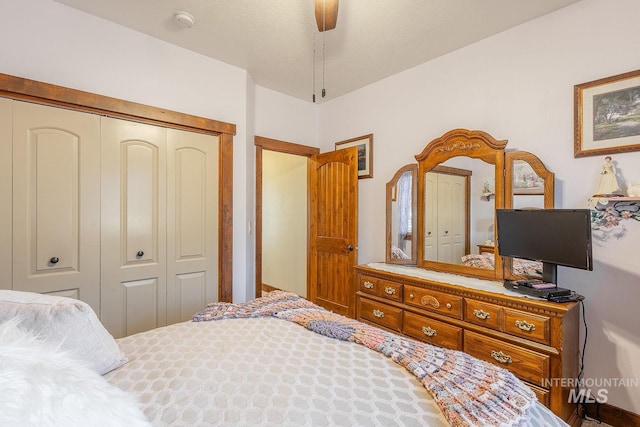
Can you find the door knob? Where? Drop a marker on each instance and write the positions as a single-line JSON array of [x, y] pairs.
[[140, 253], [350, 248], [54, 260]]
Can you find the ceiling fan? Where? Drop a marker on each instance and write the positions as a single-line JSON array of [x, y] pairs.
[[326, 14]]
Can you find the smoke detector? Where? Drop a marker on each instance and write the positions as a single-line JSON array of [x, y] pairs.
[[183, 19]]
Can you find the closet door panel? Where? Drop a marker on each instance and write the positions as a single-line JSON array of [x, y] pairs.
[[192, 223], [6, 203], [430, 216], [451, 219], [56, 189], [133, 232]]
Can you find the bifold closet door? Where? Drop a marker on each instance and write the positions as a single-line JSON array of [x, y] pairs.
[[56, 201], [133, 236], [451, 218], [444, 217], [6, 203], [430, 220], [192, 223]]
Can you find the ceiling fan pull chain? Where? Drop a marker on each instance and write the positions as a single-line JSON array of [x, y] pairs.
[[324, 15], [314, 67]]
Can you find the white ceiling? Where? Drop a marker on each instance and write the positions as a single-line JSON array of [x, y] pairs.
[[274, 39]]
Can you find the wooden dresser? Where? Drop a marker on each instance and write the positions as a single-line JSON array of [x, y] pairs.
[[536, 340]]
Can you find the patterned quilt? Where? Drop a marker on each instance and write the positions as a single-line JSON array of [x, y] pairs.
[[470, 392]]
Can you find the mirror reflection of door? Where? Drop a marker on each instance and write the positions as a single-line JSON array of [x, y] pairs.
[[281, 216]]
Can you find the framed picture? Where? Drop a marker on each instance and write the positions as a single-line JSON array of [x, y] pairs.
[[525, 180], [607, 115], [365, 153]]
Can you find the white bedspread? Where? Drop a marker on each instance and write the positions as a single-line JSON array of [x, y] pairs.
[[270, 372]]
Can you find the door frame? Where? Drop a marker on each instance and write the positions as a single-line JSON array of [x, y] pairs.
[[263, 143]]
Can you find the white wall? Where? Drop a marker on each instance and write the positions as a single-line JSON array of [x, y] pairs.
[[518, 86], [52, 43], [285, 118]]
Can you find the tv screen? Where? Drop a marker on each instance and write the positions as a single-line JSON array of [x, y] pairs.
[[553, 236]]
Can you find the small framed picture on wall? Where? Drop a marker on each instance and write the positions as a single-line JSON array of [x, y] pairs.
[[365, 153]]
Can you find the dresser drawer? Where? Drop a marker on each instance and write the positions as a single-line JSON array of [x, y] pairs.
[[541, 393], [527, 325], [368, 284], [428, 299], [390, 290], [380, 287], [481, 313], [382, 314], [432, 331], [526, 364]]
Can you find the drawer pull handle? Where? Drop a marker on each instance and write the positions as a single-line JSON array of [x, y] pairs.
[[411, 296], [501, 357], [429, 300], [389, 290], [525, 326], [449, 305], [368, 285], [481, 314], [430, 332], [379, 314]]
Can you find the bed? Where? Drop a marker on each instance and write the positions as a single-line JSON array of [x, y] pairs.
[[280, 360], [521, 267]]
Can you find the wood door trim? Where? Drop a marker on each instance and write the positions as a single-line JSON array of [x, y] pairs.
[[22, 89], [49, 94], [263, 143]]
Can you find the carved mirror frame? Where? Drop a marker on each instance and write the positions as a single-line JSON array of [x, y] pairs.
[[548, 192], [474, 144]]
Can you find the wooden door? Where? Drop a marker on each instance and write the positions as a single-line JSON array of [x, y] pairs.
[[192, 223], [333, 230], [133, 231], [6, 203], [56, 201]]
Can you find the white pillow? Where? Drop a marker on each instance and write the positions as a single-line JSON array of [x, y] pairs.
[[66, 321], [43, 385]]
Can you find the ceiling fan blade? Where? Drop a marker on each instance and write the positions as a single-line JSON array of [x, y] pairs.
[[326, 14]]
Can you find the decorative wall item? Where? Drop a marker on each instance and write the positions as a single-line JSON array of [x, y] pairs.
[[607, 115], [525, 180], [365, 153], [607, 215]]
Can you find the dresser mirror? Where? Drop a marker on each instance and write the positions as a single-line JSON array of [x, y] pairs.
[[487, 177], [528, 185], [401, 216], [482, 157]]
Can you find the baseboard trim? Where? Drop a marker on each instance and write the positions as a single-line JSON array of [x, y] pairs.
[[269, 288], [612, 415]]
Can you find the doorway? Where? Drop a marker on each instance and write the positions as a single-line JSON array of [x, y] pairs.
[[281, 215]]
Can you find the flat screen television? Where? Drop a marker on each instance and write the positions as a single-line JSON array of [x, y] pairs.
[[553, 236]]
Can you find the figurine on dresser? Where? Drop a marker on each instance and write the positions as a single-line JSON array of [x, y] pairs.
[[608, 183]]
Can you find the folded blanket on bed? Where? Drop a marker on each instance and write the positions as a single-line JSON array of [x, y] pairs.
[[470, 392]]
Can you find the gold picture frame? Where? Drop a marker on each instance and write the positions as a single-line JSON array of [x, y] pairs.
[[365, 153], [607, 115]]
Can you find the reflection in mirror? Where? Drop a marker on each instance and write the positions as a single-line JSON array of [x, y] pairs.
[[401, 216], [529, 185], [458, 217], [471, 253]]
